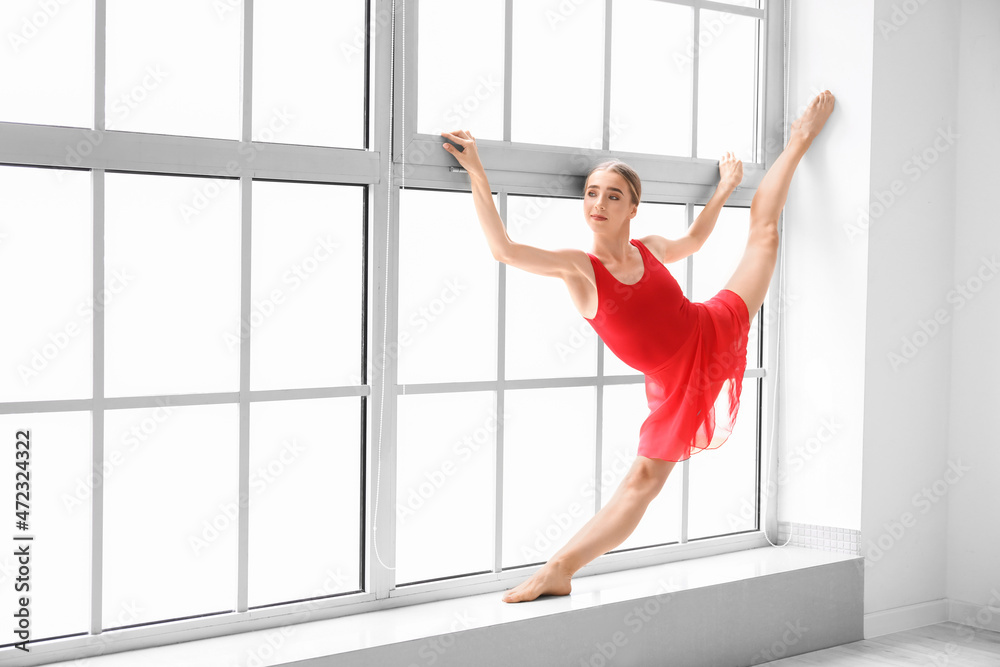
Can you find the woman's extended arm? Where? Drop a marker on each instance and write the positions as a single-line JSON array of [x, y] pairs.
[[482, 196], [557, 263], [489, 217], [731, 174]]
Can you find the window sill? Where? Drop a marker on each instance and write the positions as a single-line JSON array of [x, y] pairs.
[[348, 634]]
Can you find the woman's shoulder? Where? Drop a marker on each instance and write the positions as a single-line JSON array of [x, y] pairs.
[[656, 245]]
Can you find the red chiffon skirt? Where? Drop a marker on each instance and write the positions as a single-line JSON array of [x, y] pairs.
[[694, 397]]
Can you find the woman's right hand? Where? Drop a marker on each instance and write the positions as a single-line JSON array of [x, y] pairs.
[[468, 157]]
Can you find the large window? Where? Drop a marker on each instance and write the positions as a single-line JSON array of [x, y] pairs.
[[257, 351], [549, 417]]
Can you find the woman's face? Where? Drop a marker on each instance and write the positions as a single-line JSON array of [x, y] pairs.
[[607, 203]]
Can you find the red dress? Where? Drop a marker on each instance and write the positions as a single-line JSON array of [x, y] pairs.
[[691, 353]]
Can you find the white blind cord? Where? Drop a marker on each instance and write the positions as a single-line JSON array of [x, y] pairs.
[[388, 216]]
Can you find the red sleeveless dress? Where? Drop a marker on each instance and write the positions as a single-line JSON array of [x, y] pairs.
[[693, 355]]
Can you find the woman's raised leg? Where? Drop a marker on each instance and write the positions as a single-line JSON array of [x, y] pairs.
[[753, 274], [605, 530]]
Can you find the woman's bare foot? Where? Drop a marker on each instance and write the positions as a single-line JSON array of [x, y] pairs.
[[550, 579], [808, 125]]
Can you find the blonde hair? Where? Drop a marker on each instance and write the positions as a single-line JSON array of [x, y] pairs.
[[623, 170]]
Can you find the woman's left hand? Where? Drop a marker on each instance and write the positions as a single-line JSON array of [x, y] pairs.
[[730, 171]]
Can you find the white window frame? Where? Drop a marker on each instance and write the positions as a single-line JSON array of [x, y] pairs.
[[684, 180], [667, 179]]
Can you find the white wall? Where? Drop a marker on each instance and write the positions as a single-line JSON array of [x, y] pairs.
[[910, 271], [973, 540], [826, 246], [878, 337]]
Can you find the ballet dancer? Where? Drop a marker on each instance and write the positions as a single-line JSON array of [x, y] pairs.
[[691, 353]]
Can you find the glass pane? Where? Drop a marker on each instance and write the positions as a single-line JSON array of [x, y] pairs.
[[305, 482], [722, 482], [727, 85], [625, 408], [546, 335], [175, 325], [47, 66], [743, 3], [461, 93], [57, 453], [445, 486], [548, 470], [46, 278], [447, 290], [669, 221], [717, 260], [308, 75], [174, 67], [558, 73], [648, 116], [170, 514], [306, 280]]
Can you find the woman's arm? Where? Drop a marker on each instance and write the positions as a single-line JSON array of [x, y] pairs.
[[489, 217], [557, 263], [731, 174]]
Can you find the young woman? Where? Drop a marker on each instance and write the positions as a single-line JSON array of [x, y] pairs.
[[691, 353]]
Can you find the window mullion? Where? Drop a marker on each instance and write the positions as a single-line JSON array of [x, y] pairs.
[[502, 197], [773, 143], [243, 504], [246, 90], [508, 61], [685, 473], [100, 62], [774, 90], [696, 56], [758, 73], [97, 437], [97, 433], [410, 88], [605, 146], [599, 425], [606, 125]]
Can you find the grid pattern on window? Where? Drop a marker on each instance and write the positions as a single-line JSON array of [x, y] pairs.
[[213, 214]]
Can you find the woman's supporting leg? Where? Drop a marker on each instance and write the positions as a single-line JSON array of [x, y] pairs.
[[753, 274], [603, 532]]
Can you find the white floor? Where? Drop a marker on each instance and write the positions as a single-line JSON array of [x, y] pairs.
[[950, 644]]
